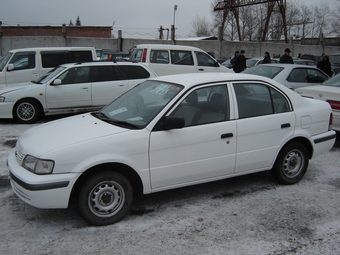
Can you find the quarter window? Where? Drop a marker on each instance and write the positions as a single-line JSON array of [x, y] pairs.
[[204, 60]]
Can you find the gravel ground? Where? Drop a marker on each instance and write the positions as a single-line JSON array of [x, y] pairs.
[[245, 215]]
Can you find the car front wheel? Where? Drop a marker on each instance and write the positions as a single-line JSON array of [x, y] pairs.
[[105, 198], [291, 164], [26, 111]]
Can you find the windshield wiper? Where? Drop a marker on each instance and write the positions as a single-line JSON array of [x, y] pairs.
[[120, 123]]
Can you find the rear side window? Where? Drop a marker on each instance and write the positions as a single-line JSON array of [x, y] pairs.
[[81, 56], [182, 57], [132, 72], [159, 56], [23, 60], [105, 73], [258, 100], [53, 59]]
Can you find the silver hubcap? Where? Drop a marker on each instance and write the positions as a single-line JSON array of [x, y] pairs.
[[293, 163], [26, 111], [106, 199]]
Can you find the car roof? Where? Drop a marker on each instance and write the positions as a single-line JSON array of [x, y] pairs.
[[193, 79], [49, 49], [103, 63], [168, 46]]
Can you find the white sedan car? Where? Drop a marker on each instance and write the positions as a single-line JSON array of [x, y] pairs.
[[329, 92], [165, 133], [291, 75], [71, 88]]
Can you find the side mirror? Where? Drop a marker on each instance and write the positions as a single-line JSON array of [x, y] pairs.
[[10, 67], [170, 122], [216, 64], [56, 82]]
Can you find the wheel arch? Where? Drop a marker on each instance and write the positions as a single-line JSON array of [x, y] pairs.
[[123, 169], [42, 111], [304, 141]]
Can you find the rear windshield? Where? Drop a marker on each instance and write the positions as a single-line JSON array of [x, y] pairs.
[[136, 55]]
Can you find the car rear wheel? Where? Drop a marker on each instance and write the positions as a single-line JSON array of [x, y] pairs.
[[26, 111], [291, 164], [105, 198]]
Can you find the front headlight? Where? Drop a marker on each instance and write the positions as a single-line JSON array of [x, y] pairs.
[[38, 166]]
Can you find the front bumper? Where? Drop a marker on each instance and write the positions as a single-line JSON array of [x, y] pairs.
[[41, 191], [6, 109]]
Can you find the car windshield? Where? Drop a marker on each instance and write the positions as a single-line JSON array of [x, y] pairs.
[[333, 82], [251, 62], [137, 107], [51, 74], [264, 70], [4, 60]]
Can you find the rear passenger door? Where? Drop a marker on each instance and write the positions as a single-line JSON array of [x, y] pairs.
[[108, 82], [265, 120]]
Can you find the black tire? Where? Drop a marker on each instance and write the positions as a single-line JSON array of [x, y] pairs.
[[26, 111], [291, 164], [105, 198]]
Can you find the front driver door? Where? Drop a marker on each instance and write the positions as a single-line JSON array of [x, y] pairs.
[[203, 150], [74, 90]]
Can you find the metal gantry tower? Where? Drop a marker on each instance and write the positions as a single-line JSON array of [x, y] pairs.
[[232, 6]]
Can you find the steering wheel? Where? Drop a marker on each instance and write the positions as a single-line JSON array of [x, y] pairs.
[[135, 104]]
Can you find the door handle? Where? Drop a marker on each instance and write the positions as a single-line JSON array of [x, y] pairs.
[[286, 125], [200, 69], [85, 88], [226, 135]]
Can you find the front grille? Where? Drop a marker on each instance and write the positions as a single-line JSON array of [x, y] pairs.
[[19, 156]]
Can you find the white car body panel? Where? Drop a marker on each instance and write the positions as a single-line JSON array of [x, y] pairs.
[[324, 93], [166, 159]]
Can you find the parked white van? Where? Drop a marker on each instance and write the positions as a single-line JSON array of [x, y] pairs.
[[165, 59], [29, 64]]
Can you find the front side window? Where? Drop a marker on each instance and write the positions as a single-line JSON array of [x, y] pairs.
[[23, 60], [182, 57], [203, 106], [204, 60], [255, 99], [75, 75], [159, 56]]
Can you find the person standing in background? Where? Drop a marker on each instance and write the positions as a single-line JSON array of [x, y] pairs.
[[240, 62], [325, 65], [286, 58], [267, 59], [232, 61]]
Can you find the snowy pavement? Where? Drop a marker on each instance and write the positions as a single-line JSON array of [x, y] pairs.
[[245, 215]]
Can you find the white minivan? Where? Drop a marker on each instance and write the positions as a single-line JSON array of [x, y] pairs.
[[165, 59], [29, 64]]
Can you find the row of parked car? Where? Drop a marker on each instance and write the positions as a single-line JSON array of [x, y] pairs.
[[148, 132]]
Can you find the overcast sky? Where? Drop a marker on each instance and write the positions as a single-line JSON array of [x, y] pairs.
[[136, 18]]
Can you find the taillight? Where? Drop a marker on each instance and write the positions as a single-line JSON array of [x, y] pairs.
[[144, 55], [334, 104]]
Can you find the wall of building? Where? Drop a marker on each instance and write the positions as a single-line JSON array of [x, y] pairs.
[[222, 49]]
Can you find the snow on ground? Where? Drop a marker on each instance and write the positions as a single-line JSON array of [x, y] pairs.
[[245, 215]]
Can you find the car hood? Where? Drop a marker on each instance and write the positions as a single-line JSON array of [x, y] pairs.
[[63, 133], [17, 86]]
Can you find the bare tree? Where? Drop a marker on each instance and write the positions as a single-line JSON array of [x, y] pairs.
[[201, 26]]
